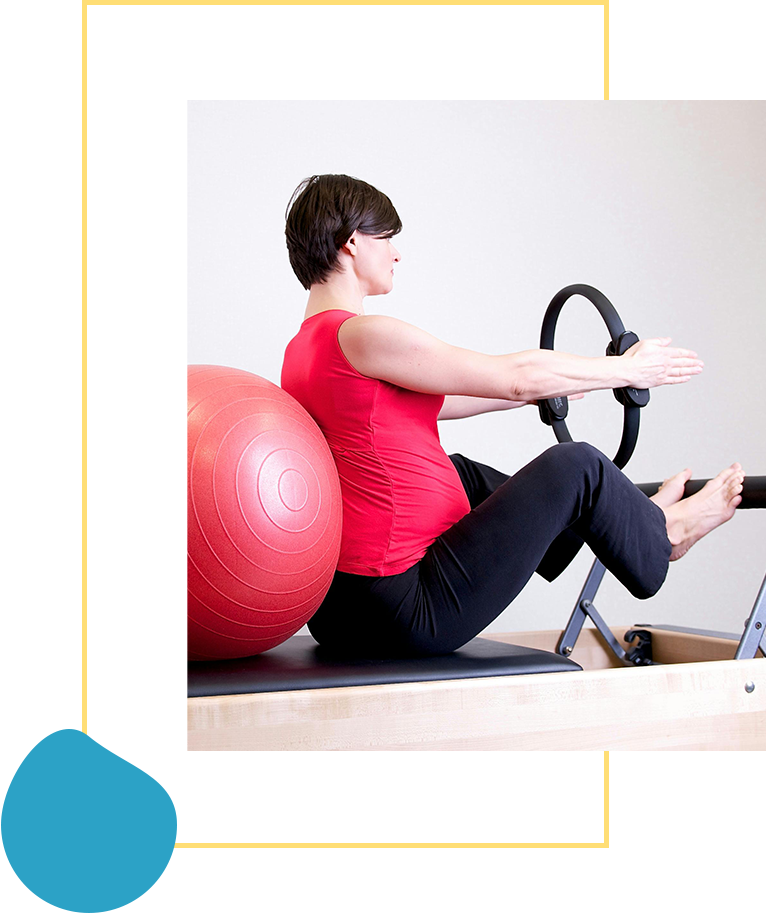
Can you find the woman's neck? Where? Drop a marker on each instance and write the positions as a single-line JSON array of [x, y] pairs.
[[340, 291]]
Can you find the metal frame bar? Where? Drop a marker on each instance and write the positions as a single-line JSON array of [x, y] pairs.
[[752, 637], [583, 609], [750, 642]]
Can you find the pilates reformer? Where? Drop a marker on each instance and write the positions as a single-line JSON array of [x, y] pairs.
[[695, 689]]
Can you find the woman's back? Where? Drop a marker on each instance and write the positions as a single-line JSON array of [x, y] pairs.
[[400, 489]]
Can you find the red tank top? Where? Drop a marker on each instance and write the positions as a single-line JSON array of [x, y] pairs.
[[400, 489]]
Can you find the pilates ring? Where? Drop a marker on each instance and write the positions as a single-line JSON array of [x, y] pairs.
[[554, 411]]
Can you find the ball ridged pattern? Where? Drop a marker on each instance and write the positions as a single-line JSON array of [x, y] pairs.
[[264, 514]]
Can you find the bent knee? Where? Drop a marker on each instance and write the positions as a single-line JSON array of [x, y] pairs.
[[582, 450], [576, 454]]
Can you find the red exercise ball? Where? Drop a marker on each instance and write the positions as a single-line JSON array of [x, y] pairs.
[[264, 514]]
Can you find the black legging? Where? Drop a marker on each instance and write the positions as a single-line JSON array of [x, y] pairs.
[[533, 521]]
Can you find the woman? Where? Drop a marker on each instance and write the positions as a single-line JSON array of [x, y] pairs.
[[435, 547]]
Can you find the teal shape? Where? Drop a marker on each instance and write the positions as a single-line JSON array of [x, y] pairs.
[[89, 822]]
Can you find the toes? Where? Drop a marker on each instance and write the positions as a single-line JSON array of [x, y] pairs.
[[717, 481], [723, 476], [680, 477], [737, 481]]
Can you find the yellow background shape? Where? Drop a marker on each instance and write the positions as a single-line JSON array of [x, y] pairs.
[[683, 830], [380, 878], [142, 61]]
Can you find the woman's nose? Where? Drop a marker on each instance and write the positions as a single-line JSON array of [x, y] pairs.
[[395, 254]]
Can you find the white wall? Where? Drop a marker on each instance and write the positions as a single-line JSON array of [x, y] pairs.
[[658, 204]]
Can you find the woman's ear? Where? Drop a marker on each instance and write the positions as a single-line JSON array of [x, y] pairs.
[[350, 247]]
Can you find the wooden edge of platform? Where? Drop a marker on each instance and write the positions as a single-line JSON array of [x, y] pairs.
[[702, 705]]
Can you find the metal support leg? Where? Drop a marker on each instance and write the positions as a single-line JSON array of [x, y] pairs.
[[640, 655], [754, 627], [751, 642], [579, 614]]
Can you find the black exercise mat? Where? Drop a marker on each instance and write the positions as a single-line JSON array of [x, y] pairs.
[[300, 664]]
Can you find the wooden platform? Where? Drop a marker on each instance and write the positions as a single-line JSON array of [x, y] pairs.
[[697, 700]]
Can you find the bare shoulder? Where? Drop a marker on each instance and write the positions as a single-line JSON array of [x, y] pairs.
[[375, 344], [379, 330], [390, 349]]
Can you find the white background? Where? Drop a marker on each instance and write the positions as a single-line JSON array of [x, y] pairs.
[[659, 204]]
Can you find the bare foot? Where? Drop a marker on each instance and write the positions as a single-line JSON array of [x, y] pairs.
[[691, 519], [672, 489]]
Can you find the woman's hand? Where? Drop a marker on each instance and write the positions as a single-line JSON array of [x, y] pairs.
[[653, 362]]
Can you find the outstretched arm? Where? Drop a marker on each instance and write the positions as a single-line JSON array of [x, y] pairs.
[[397, 352], [465, 406]]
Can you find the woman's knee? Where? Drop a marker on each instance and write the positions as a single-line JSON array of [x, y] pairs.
[[576, 457], [581, 452]]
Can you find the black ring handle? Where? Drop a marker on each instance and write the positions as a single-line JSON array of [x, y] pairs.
[[554, 411]]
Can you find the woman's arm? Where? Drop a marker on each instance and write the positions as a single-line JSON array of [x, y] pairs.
[[465, 406], [397, 352]]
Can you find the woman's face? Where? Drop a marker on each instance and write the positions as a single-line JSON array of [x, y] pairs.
[[375, 262]]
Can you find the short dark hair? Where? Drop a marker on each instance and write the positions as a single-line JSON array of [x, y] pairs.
[[323, 213]]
